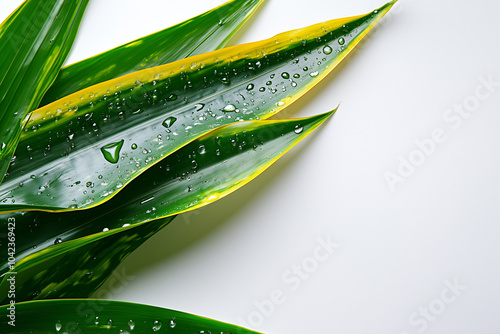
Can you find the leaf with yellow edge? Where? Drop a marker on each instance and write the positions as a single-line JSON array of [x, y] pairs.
[[200, 173], [80, 151], [203, 33]]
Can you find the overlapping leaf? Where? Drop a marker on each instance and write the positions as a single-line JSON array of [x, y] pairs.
[[203, 33], [203, 171], [103, 316], [83, 149], [34, 42]]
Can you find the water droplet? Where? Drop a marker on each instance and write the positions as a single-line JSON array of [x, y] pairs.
[[109, 324], [2, 147], [262, 89], [100, 177], [89, 184], [96, 321], [199, 106], [57, 241], [327, 49], [131, 324], [285, 75], [105, 229], [229, 108], [269, 83], [341, 41], [58, 326], [298, 129], [169, 121], [314, 74], [304, 42], [172, 323], [294, 84], [21, 184], [156, 325], [111, 151], [133, 146], [172, 97], [296, 75], [202, 149], [250, 86], [33, 177], [305, 69]]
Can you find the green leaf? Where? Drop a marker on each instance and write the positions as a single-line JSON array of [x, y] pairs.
[[203, 33], [200, 173], [104, 316], [34, 42], [144, 116]]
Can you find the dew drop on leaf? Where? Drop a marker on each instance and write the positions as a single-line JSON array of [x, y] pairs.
[[156, 325], [298, 129], [133, 146], [229, 108], [57, 241], [341, 41], [314, 74], [131, 324], [201, 149], [169, 121], [327, 49], [58, 326], [199, 106], [172, 323], [111, 151], [250, 86], [285, 75]]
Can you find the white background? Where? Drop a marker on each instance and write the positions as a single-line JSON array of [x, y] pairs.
[[397, 247]]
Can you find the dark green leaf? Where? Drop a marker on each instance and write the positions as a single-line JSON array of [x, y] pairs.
[[103, 316]]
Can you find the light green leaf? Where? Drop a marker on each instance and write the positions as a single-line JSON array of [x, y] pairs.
[[34, 42]]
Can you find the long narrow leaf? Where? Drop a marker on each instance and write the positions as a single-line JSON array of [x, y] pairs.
[[83, 149], [34, 42], [200, 173], [103, 316], [203, 33]]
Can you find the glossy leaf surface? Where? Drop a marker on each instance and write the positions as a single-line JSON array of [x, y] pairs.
[[81, 150], [203, 33], [34, 42], [104, 316], [202, 172]]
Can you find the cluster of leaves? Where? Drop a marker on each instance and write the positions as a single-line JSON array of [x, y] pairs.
[[98, 156]]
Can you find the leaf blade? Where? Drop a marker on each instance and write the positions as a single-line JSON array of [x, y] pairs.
[[95, 316], [201, 34], [141, 119], [246, 149], [36, 38]]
